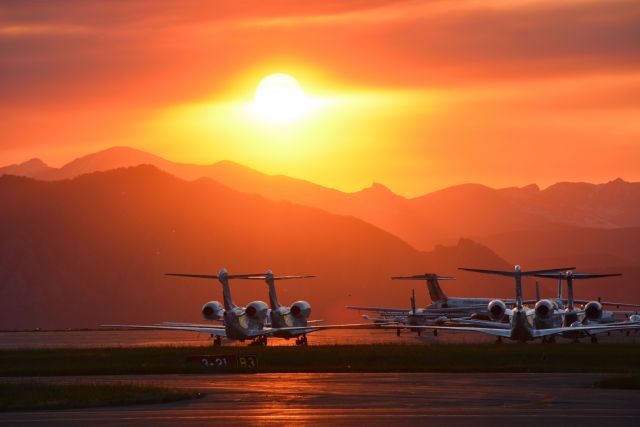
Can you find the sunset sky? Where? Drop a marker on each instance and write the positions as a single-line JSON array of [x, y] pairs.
[[417, 95]]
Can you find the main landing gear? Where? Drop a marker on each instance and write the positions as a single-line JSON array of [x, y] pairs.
[[217, 341], [594, 339], [261, 340], [302, 340], [499, 340], [549, 340]]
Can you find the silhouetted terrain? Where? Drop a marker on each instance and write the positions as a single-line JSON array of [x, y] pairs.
[[441, 217], [94, 249]]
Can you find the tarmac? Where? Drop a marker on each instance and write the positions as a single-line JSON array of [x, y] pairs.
[[438, 399]]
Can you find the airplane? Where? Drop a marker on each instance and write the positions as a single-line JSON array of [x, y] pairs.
[[520, 329], [593, 311], [295, 315], [440, 305], [442, 308], [239, 323]]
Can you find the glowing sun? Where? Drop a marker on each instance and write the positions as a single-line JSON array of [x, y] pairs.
[[279, 99]]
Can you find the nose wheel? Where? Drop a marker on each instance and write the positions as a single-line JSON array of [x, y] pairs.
[[302, 340]]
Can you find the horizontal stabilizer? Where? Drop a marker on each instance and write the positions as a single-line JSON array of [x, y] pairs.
[[212, 276], [426, 276], [264, 276], [516, 273]]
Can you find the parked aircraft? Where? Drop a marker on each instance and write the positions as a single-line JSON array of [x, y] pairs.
[[241, 323], [520, 328], [592, 311], [295, 315]]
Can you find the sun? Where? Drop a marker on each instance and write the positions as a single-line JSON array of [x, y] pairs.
[[280, 99]]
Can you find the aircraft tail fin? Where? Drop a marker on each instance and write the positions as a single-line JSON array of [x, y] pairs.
[[433, 285]]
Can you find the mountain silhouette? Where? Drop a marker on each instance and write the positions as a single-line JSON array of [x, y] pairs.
[[440, 217]]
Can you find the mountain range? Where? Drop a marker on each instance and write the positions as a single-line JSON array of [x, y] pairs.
[[440, 217]]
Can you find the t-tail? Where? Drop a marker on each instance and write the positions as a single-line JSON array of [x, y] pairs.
[[223, 277], [270, 280], [518, 274], [570, 276], [433, 286], [273, 296], [413, 301]]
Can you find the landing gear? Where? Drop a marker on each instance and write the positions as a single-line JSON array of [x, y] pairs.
[[217, 341], [259, 341], [419, 332], [398, 332], [302, 340], [499, 340], [435, 332], [594, 339]]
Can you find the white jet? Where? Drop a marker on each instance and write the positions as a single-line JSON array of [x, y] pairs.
[[520, 327]]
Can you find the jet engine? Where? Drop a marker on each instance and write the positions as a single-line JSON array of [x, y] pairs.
[[593, 310], [634, 318], [544, 308], [497, 309], [212, 311], [300, 309], [257, 310]]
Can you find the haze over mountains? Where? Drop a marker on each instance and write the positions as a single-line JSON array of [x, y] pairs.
[[103, 239]]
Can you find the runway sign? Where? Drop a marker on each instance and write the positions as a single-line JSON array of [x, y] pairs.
[[225, 362]]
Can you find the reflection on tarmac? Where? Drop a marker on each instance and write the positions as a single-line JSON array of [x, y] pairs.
[[374, 399], [109, 338]]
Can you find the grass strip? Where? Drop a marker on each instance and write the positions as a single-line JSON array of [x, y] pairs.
[[41, 395], [340, 358]]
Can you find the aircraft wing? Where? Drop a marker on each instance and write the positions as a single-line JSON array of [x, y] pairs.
[[306, 330], [588, 329], [211, 330], [378, 309], [204, 325], [480, 323], [619, 304]]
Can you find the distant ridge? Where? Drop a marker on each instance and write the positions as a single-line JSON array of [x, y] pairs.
[[440, 217]]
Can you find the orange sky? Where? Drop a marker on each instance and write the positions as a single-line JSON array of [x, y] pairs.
[[416, 95]]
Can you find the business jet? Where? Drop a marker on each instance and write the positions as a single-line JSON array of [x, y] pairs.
[[520, 328], [240, 323]]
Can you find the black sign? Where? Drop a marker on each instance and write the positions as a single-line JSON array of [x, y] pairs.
[[225, 362]]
